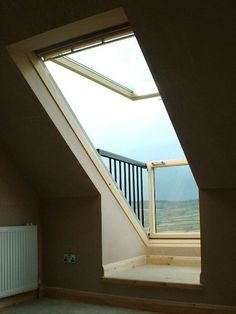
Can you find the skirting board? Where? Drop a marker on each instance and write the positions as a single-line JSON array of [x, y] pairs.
[[19, 298], [157, 284], [164, 306]]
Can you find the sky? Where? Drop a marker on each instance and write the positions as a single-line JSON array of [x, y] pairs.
[[140, 129], [175, 184], [122, 61]]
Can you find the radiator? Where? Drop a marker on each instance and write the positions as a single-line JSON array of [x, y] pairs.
[[18, 260]]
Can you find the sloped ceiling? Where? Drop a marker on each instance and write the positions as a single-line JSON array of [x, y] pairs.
[[188, 46]]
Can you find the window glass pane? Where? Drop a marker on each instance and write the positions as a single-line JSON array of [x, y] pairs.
[[176, 200], [121, 61]]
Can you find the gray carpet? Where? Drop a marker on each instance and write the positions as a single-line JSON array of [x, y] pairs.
[[51, 306]]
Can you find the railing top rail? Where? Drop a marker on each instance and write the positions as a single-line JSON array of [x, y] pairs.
[[107, 154]]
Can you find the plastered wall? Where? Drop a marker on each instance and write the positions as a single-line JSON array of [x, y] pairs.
[[72, 225], [18, 202], [218, 229]]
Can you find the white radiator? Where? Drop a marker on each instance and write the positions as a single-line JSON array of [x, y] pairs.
[[18, 260]]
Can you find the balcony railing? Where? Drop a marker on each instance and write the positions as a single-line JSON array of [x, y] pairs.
[[129, 176]]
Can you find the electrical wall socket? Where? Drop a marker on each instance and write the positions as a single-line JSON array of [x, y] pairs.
[[70, 258]]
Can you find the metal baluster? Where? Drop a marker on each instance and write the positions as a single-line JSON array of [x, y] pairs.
[[115, 170], [120, 176], [110, 166], [133, 186], [141, 189], [125, 183], [129, 185], [137, 183]]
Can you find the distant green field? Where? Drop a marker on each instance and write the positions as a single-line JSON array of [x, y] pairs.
[[174, 216], [177, 216]]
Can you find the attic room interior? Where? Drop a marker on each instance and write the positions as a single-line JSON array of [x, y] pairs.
[[82, 235]]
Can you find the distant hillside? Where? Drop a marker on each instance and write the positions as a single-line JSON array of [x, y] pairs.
[[175, 216]]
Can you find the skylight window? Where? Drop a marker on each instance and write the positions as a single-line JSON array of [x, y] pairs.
[[126, 72], [127, 67]]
